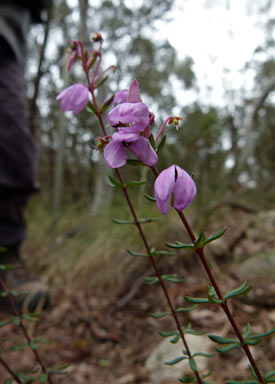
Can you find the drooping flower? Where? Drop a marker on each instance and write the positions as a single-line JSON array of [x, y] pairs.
[[174, 180], [74, 98], [115, 153], [129, 117]]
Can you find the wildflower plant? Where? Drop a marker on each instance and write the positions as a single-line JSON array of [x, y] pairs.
[[131, 122]]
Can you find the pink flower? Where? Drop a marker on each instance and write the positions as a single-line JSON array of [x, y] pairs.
[[115, 153], [74, 98], [129, 117], [174, 180]]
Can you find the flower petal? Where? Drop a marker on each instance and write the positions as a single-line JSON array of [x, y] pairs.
[[184, 190], [125, 136], [121, 97], [163, 188], [144, 151], [74, 98], [134, 95], [115, 154]]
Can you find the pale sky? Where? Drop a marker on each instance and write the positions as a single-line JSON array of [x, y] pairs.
[[220, 38]]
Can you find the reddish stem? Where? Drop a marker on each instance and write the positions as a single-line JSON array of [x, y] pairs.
[[7, 367]]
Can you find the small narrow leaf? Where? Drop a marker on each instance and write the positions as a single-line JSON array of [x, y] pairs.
[[161, 145], [192, 332], [262, 335], [5, 267], [148, 197], [227, 348], [200, 242], [91, 108], [152, 141], [135, 183], [145, 220], [206, 375], [165, 253], [212, 296], [5, 322], [193, 365], [159, 315], [196, 300], [222, 340], [59, 368], [247, 331], [215, 237], [252, 371], [188, 309], [43, 378], [243, 382], [270, 374], [241, 290], [136, 254], [97, 85], [107, 104], [176, 361], [179, 245], [115, 182], [167, 334], [172, 278], [189, 380], [151, 280], [252, 343], [122, 222], [202, 354], [175, 339]]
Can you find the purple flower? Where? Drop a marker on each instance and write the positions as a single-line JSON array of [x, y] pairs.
[[120, 97], [115, 153], [75, 98], [174, 180], [129, 117]]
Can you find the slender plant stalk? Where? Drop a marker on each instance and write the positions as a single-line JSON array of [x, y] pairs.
[[200, 253], [7, 367], [151, 258], [25, 332]]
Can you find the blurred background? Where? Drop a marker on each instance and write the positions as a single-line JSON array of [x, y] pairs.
[[210, 62]]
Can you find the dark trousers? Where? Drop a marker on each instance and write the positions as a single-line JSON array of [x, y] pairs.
[[17, 150]]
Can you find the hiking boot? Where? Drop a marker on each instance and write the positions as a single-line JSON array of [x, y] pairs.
[[30, 294]]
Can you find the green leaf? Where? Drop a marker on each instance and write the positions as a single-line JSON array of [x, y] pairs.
[[30, 316], [175, 339], [167, 334], [203, 354], [161, 145], [152, 141], [136, 183], [188, 380], [58, 368], [252, 343], [3, 249], [33, 345], [43, 378], [262, 335], [193, 365], [176, 360], [6, 267], [192, 332], [222, 340], [212, 296], [270, 374], [91, 108], [163, 253], [151, 280], [97, 85], [159, 315], [196, 300], [9, 381], [215, 237], [172, 278], [136, 254], [200, 241], [243, 382], [122, 222], [241, 290], [179, 245], [16, 320], [247, 331], [134, 162], [148, 220], [188, 309], [106, 105], [206, 375], [227, 348], [252, 371], [148, 197], [5, 322], [18, 347], [115, 182]]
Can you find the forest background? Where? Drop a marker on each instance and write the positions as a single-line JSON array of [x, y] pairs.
[[227, 146]]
